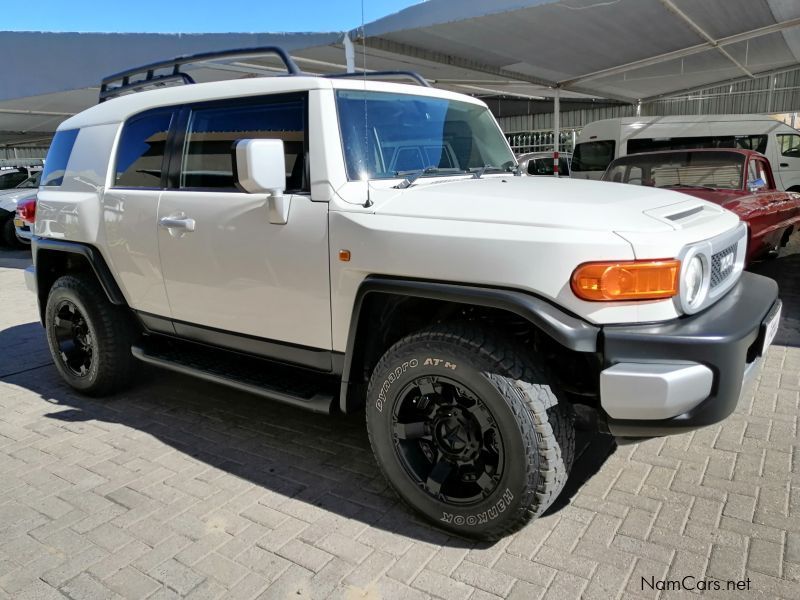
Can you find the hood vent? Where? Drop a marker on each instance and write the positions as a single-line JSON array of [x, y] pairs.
[[685, 214]]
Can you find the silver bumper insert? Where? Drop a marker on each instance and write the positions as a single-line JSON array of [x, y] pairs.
[[653, 391]]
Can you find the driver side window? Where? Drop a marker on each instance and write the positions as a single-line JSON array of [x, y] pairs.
[[789, 144], [757, 170]]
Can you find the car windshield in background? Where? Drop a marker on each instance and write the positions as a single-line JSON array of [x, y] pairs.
[[388, 135], [722, 170], [593, 156], [544, 166], [32, 181]]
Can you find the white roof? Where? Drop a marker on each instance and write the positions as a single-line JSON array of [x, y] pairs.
[[119, 109]]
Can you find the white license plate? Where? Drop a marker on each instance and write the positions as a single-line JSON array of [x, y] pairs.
[[771, 328]]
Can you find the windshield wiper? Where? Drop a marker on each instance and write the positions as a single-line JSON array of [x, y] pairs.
[[412, 176], [478, 172]]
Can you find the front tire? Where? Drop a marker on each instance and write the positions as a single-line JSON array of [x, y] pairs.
[[90, 338], [469, 430]]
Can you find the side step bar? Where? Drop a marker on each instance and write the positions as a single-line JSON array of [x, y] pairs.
[[290, 385]]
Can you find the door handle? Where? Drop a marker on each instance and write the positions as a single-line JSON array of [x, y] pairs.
[[177, 222], [784, 164]]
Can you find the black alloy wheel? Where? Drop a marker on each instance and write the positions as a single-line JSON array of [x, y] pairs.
[[74, 338], [89, 338], [448, 441]]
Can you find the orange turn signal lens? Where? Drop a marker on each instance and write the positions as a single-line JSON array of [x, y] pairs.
[[634, 280]]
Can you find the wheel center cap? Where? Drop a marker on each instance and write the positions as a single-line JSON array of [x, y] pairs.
[[452, 436], [455, 435]]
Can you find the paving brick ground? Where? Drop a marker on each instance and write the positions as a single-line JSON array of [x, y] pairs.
[[181, 488]]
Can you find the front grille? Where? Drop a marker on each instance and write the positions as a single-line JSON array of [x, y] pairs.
[[722, 265]]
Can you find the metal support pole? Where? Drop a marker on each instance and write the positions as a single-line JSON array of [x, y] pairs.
[[556, 128], [349, 54]]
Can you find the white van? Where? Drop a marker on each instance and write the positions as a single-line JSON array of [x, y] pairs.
[[602, 141]]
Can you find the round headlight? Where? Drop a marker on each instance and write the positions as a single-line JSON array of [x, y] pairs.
[[693, 280]]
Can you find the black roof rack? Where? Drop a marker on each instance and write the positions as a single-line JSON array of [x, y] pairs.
[[382, 75], [127, 81]]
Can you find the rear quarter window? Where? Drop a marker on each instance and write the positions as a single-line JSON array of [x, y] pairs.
[[140, 154], [58, 156]]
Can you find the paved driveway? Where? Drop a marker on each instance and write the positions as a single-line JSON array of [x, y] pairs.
[[182, 488]]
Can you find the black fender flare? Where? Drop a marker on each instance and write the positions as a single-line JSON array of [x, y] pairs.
[[92, 256], [568, 330]]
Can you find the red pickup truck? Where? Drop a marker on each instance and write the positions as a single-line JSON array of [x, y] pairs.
[[739, 180]]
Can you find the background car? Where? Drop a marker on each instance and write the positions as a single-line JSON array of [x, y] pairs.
[[541, 163], [739, 180], [9, 200], [11, 177], [24, 219]]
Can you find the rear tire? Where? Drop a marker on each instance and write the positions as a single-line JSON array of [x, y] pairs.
[[90, 339], [469, 430], [8, 233]]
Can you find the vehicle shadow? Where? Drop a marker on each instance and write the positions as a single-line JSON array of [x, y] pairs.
[[323, 461], [15, 259], [786, 271]]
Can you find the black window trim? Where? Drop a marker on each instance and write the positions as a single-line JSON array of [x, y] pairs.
[[177, 138]]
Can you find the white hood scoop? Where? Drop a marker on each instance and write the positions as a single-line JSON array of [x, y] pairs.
[[687, 214]]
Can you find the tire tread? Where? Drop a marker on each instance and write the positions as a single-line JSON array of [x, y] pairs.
[[546, 425], [112, 324]]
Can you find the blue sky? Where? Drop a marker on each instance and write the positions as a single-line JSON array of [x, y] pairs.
[[197, 16]]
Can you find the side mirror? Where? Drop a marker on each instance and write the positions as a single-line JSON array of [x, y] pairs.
[[757, 184], [261, 169]]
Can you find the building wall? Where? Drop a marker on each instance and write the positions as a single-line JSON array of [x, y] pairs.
[[778, 93], [23, 152], [770, 94]]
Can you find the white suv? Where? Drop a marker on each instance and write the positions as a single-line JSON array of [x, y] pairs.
[[342, 244]]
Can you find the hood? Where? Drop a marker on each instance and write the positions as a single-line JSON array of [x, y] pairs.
[[544, 202]]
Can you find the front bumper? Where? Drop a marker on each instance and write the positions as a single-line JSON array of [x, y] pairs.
[[672, 377]]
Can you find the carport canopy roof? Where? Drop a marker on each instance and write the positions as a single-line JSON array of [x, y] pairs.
[[627, 50]]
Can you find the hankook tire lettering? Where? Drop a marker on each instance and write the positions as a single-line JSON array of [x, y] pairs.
[[482, 517]]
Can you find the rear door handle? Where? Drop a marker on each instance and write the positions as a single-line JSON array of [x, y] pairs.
[[177, 222], [784, 164]]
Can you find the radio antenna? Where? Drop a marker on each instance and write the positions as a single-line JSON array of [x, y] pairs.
[[368, 203]]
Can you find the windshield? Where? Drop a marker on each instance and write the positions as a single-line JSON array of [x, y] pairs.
[[32, 181], [593, 156], [718, 170], [388, 135]]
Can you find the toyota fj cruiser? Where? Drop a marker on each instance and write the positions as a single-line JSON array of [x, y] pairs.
[[341, 243]]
